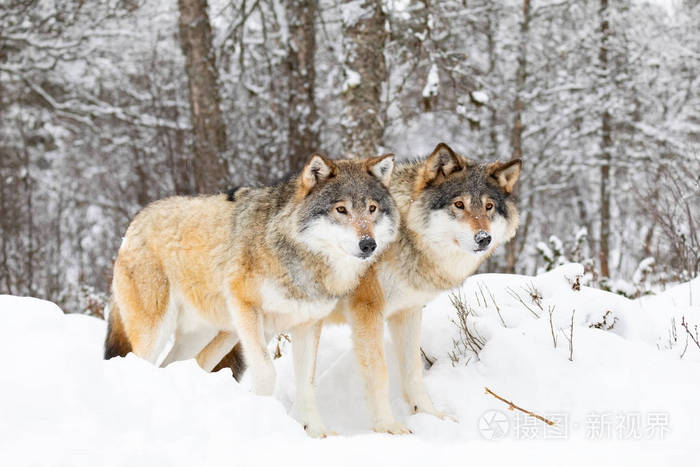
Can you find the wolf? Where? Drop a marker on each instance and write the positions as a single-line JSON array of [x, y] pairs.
[[454, 213], [233, 268]]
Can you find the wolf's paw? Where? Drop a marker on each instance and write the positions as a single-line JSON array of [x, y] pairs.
[[426, 406], [318, 431], [392, 427], [443, 416], [430, 410]]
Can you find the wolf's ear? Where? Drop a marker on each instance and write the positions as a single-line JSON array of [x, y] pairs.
[[441, 164], [381, 167], [506, 173], [317, 169]]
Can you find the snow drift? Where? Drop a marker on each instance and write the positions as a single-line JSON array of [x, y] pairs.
[[629, 394]]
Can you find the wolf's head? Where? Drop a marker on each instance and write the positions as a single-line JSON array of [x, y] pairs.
[[346, 210], [460, 206]]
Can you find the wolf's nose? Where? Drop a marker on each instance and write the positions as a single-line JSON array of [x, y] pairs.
[[367, 246], [482, 239]]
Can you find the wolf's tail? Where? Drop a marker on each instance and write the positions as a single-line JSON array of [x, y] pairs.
[[234, 360], [116, 342]]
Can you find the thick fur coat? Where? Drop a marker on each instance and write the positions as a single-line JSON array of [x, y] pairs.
[[217, 270]]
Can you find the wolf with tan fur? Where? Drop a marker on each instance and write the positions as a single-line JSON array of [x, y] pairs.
[[454, 214], [214, 271]]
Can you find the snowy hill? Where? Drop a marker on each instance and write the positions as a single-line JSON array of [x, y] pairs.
[[629, 395]]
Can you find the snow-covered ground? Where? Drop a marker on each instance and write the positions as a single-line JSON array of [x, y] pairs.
[[631, 395]]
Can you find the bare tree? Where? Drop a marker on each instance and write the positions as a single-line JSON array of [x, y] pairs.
[[518, 106], [94, 126], [671, 201], [303, 134], [521, 77], [605, 145], [210, 167], [365, 69]]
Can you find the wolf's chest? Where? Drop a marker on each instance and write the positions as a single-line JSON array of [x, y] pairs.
[[283, 312], [399, 294]]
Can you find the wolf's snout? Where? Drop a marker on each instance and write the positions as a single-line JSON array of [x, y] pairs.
[[482, 239], [367, 246]]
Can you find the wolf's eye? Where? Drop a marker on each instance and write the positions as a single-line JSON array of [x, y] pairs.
[[341, 209], [459, 205], [489, 206], [372, 208]]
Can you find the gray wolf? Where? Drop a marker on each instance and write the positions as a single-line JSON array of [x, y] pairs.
[[454, 213], [218, 270]]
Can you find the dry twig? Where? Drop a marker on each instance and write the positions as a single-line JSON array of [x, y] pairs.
[[534, 295], [694, 337], [570, 337], [515, 295], [278, 350], [512, 406], [493, 299], [577, 284], [605, 324], [551, 325], [469, 338]]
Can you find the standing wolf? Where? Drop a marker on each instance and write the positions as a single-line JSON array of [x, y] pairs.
[[454, 213], [214, 272]]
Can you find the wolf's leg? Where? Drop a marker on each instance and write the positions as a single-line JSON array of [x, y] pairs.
[[215, 350], [368, 342], [367, 323], [187, 345], [405, 333], [249, 325], [304, 351]]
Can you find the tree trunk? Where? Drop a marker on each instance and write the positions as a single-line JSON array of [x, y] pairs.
[[518, 106], [303, 115], [491, 30], [210, 167], [6, 275], [29, 197], [520, 79], [606, 143], [365, 68]]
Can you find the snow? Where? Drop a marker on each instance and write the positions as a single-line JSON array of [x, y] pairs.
[[627, 398], [556, 243], [480, 96], [352, 79], [580, 235], [646, 266], [432, 85], [354, 11], [545, 251]]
